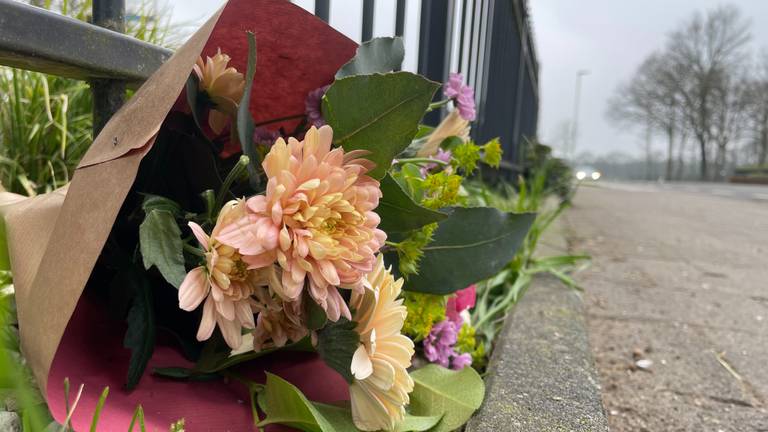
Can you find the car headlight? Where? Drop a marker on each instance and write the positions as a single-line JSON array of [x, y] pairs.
[[596, 175], [581, 175]]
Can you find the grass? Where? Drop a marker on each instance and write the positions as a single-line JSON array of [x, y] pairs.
[[46, 121], [497, 295]]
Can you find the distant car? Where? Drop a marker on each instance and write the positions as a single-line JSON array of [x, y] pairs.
[[587, 173]]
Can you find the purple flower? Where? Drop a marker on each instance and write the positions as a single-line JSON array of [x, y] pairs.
[[442, 155], [462, 95], [265, 137], [439, 346], [461, 361], [312, 106]]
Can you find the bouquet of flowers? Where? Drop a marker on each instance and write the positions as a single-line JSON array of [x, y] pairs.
[[266, 221]]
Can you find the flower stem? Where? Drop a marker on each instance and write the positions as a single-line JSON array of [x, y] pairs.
[[237, 172], [254, 389], [435, 105], [279, 119], [420, 161], [193, 250]]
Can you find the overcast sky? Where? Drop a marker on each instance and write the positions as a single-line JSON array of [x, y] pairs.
[[609, 38]]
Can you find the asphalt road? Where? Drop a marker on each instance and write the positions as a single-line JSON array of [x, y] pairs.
[[726, 190], [677, 303]]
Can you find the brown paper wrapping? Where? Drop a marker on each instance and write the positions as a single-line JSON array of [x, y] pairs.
[[55, 239]]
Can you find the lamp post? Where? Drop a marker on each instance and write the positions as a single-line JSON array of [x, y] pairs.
[[575, 124]]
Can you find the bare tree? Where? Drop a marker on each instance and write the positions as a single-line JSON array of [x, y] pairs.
[[650, 101], [702, 54], [757, 111], [729, 114]]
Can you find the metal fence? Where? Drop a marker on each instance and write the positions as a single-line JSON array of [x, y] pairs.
[[489, 41]]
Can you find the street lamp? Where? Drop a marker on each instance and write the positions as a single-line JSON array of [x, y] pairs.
[[575, 124]]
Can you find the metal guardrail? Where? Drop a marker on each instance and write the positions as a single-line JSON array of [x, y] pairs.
[[36, 39]]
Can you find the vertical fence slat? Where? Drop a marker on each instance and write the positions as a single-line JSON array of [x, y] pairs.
[[400, 18], [434, 46], [323, 9], [368, 8], [108, 95]]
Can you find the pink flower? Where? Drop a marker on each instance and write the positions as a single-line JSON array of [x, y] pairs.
[[463, 300], [224, 282], [316, 220], [462, 95], [442, 156]]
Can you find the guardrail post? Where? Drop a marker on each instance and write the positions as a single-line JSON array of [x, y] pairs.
[[108, 94]]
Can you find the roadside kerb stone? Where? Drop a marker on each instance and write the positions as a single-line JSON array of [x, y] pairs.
[[542, 376]]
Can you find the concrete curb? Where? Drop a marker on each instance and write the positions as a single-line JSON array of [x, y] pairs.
[[542, 376]]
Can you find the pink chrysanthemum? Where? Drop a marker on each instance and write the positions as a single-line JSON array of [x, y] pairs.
[[316, 220]]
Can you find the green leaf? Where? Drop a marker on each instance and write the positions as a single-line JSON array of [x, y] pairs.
[[196, 99], [316, 316], [336, 344], [157, 202], [379, 113], [245, 124], [339, 416], [181, 373], [161, 245], [285, 404], [378, 55], [454, 395], [140, 335], [417, 423], [398, 211], [472, 244], [216, 354]]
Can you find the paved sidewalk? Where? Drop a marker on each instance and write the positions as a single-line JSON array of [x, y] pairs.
[[679, 281]]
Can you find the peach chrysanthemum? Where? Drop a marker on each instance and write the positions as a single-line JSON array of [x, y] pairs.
[[316, 220], [224, 282], [278, 322], [223, 85], [381, 384]]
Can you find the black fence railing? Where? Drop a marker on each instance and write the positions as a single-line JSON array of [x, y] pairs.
[[489, 41]]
